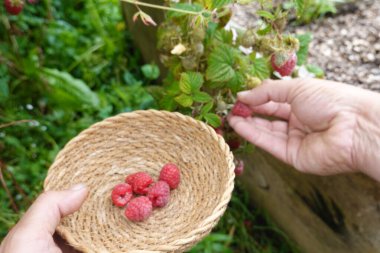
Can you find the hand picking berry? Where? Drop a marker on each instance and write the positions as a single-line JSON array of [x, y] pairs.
[[14, 7], [159, 194], [138, 209], [171, 175], [241, 109], [284, 62], [121, 194], [140, 182]]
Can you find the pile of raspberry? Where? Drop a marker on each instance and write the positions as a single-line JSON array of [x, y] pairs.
[[141, 194]]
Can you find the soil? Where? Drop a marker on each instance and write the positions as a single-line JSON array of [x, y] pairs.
[[345, 45]]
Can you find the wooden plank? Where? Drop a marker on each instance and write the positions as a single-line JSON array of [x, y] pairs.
[[144, 37], [335, 214]]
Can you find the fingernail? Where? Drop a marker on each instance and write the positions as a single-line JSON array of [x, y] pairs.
[[243, 93], [78, 187]]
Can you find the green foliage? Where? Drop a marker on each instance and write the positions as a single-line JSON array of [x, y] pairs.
[[309, 10], [245, 228], [63, 67], [302, 53], [220, 64], [150, 71], [67, 89]]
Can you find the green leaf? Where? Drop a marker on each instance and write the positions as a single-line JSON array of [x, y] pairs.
[[190, 82], [220, 73], [302, 53], [219, 3], [184, 100], [207, 107], [260, 68], [212, 119], [224, 36], [237, 82], [4, 87], [202, 97], [220, 64], [66, 86], [173, 89], [184, 6], [150, 71], [265, 14], [317, 71], [265, 30], [167, 103], [300, 6]]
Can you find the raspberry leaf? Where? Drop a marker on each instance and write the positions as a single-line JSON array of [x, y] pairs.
[[201, 97], [190, 82], [213, 119], [260, 68], [302, 53], [220, 64], [184, 100]]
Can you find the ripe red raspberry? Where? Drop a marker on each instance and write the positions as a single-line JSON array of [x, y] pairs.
[[140, 182], [284, 62], [171, 175], [219, 131], [159, 194], [234, 144], [239, 169], [121, 194], [138, 209], [14, 7], [241, 109]]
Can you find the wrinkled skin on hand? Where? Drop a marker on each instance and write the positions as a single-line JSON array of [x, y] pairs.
[[319, 126]]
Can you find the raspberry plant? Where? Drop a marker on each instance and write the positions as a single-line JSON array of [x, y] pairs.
[[208, 63]]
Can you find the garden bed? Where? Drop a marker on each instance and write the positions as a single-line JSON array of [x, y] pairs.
[[345, 45]]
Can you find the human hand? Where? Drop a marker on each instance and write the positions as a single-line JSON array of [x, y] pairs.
[[321, 127], [35, 231]]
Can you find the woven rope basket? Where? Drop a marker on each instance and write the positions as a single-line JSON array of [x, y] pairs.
[[103, 155]]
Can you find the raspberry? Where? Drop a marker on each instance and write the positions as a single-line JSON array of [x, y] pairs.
[[241, 109], [219, 131], [14, 7], [171, 175], [140, 182], [159, 194], [234, 144], [121, 194], [284, 62], [138, 209], [239, 169]]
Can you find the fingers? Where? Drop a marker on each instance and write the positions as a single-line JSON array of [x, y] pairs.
[[278, 91], [47, 211], [270, 136], [274, 109]]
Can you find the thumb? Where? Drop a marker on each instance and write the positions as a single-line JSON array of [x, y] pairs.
[[47, 211]]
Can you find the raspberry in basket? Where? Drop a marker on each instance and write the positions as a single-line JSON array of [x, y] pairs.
[[171, 175], [140, 182], [138, 209], [159, 194], [121, 194]]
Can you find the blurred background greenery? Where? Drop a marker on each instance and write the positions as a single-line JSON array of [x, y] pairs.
[[65, 65]]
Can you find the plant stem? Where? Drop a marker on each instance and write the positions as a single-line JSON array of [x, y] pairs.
[[4, 184], [162, 7], [15, 123]]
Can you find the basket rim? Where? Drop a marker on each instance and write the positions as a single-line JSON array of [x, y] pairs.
[[204, 227]]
